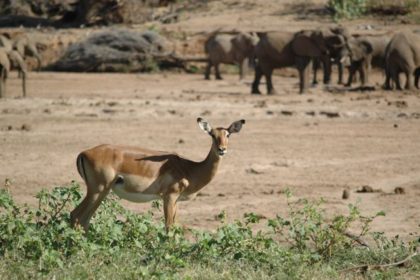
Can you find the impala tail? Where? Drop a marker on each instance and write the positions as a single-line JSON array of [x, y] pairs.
[[80, 162]]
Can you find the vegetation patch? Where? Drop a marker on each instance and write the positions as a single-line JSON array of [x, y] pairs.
[[39, 243], [356, 8]]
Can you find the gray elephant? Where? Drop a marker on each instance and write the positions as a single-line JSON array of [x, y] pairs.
[[284, 49], [6, 43], [229, 49], [4, 70], [8, 60], [366, 52], [25, 46], [403, 56], [336, 39]]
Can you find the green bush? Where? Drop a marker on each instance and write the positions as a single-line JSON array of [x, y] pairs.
[[38, 243], [347, 8]]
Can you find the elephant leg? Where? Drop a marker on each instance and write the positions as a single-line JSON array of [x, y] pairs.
[[268, 77], [257, 79], [363, 75], [1, 81], [352, 70], [417, 77], [387, 84], [23, 83], [315, 67], [326, 63], [409, 72], [409, 81], [242, 69], [216, 68], [368, 69], [303, 64], [396, 78], [208, 69], [340, 73]]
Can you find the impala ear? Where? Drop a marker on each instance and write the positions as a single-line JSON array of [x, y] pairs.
[[236, 126], [204, 125]]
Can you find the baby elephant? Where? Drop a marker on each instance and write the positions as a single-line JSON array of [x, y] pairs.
[[11, 59], [229, 49], [366, 52]]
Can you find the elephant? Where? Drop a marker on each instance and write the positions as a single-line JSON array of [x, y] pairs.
[[6, 43], [4, 70], [366, 52], [403, 55], [229, 49], [25, 46], [336, 41], [8, 60], [285, 49]]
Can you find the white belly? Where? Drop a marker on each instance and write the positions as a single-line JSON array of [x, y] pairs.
[[136, 189]]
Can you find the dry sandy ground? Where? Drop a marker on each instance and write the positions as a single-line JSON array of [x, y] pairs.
[[287, 141]]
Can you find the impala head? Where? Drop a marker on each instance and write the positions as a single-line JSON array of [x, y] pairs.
[[220, 135]]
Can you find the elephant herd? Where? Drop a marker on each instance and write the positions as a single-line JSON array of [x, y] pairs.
[[306, 50], [310, 49], [12, 56]]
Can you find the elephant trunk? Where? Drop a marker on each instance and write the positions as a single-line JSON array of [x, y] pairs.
[[38, 59], [252, 60]]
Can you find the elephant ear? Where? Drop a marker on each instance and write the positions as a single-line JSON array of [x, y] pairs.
[[241, 42], [366, 46], [359, 49], [304, 45], [341, 30], [261, 35], [335, 41]]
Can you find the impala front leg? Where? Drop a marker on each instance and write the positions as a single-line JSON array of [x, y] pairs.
[[170, 209]]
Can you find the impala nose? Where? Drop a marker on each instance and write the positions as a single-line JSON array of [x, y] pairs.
[[222, 151]]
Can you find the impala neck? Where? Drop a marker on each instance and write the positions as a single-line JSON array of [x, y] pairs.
[[206, 170]]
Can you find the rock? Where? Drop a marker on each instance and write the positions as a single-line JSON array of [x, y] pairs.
[[25, 127], [330, 114], [286, 113], [399, 190], [346, 194], [366, 189]]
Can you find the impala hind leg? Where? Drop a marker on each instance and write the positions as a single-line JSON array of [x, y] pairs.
[[97, 190], [93, 200], [82, 214]]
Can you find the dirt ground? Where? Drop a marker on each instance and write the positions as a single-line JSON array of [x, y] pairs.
[[316, 144], [289, 140]]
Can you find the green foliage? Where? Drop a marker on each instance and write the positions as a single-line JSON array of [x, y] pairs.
[[38, 243], [150, 65], [347, 8]]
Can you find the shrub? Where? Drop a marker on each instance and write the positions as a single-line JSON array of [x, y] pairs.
[[38, 243], [347, 8]]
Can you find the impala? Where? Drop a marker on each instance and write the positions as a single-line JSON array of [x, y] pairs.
[[142, 175]]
